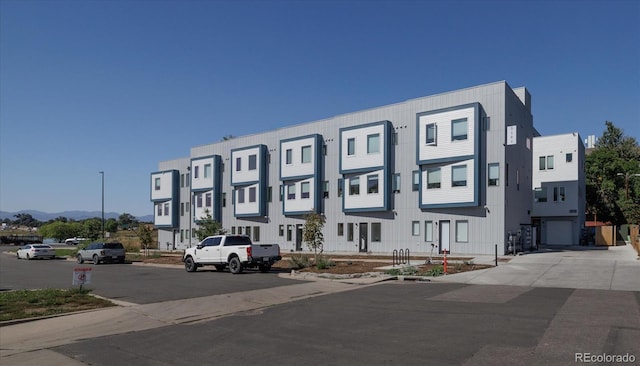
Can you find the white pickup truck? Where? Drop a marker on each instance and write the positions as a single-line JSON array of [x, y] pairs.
[[235, 251]]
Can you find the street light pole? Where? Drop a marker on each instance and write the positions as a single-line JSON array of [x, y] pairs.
[[102, 174]]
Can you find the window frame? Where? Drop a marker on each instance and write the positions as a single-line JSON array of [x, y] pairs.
[[459, 137], [373, 189], [354, 186], [303, 194], [307, 149], [493, 181], [458, 183], [351, 146], [433, 140], [462, 236], [253, 162], [434, 185], [370, 144]]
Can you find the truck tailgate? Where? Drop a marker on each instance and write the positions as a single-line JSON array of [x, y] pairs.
[[265, 250]]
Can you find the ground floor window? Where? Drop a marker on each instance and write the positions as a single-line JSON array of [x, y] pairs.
[[256, 234], [376, 234], [462, 231], [340, 229], [350, 231], [428, 231], [415, 228]]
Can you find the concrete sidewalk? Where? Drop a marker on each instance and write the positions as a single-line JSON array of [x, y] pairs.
[[597, 268]]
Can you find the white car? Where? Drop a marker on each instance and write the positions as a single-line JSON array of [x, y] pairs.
[[31, 251]]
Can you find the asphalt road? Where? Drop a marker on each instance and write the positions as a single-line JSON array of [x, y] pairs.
[[128, 282]]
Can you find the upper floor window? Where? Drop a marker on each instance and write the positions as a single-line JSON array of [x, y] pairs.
[[373, 143], [306, 154], [396, 183], [207, 199], [238, 164], [166, 209], [207, 170], [157, 184], [252, 194], [196, 171], [199, 200], [372, 184], [459, 129], [546, 162], [351, 146], [304, 189], [431, 134], [459, 176], [253, 162], [569, 157], [416, 180], [187, 180], [433, 178], [494, 174], [340, 187], [354, 186], [540, 194], [241, 195], [181, 180], [291, 192], [288, 156], [325, 190]]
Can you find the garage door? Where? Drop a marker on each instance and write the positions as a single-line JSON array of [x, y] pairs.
[[559, 233]]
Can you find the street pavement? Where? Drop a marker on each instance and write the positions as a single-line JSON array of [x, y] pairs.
[[567, 300]]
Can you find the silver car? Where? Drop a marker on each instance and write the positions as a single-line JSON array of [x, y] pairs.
[[102, 252], [31, 251]]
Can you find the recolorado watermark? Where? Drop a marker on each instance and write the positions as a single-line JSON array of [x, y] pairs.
[[586, 357]]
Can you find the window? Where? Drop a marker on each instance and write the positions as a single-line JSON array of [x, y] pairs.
[[396, 183], [157, 184], [199, 200], [253, 162], [351, 146], [416, 180], [224, 200], [394, 138], [373, 143], [339, 187], [428, 231], [494, 174], [340, 229], [540, 194], [196, 171], [187, 179], [562, 194], [291, 191], [281, 230], [181, 208], [181, 180], [241, 195], [558, 194], [187, 206], [306, 154], [569, 157], [304, 189], [159, 209], [372, 184], [239, 230], [459, 176], [354, 186], [550, 162], [433, 178], [289, 232], [415, 228], [207, 170], [459, 129], [166, 209], [269, 193], [238, 164], [281, 192], [325, 190], [462, 231], [252, 194], [256, 233], [247, 231], [546, 162], [181, 236], [350, 231], [431, 134], [289, 156], [376, 232], [207, 199]]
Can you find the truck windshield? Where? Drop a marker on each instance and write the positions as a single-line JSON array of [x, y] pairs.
[[237, 240]]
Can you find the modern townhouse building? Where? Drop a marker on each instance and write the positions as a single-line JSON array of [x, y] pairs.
[[559, 187], [451, 171]]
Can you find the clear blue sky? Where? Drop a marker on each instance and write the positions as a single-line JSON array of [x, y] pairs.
[[118, 86]]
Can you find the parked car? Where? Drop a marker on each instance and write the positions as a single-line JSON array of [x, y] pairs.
[[31, 251], [102, 252]]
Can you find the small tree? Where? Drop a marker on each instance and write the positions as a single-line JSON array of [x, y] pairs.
[[144, 233], [312, 233], [207, 226]]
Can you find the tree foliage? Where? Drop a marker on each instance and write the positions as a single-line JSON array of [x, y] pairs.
[[60, 230], [126, 221], [612, 189], [207, 226], [312, 232], [144, 233]]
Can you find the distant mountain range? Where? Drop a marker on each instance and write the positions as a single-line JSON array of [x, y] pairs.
[[74, 215]]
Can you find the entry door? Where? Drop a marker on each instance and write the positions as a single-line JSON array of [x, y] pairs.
[[445, 232], [364, 237], [298, 237]]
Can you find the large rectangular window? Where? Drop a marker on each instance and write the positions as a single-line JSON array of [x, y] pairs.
[[372, 184], [545, 162], [166, 209], [306, 154], [415, 183], [159, 211], [305, 189], [238, 164], [540, 194], [428, 231], [240, 195], [157, 184], [281, 230], [373, 143], [351, 146], [350, 231], [340, 229], [431, 134], [199, 200], [207, 199], [289, 156], [459, 176], [256, 234], [354, 186], [376, 232], [253, 162], [494, 174], [433, 178], [291, 191], [415, 228], [459, 129], [207, 170], [462, 231], [550, 162], [252, 194]]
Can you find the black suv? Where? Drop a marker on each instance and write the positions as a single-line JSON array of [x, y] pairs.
[[102, 252]]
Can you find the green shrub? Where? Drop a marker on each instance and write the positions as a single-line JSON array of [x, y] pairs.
[[403, 271], [436, 271], [324, 262], [300, 261]]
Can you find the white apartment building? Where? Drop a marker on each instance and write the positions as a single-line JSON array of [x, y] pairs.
[[559, 188], [451, 171]]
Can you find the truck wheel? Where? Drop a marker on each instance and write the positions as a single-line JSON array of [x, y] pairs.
[[96, 260], [190, 265], [79, 259], [235, 266], [219, 267], [264, 268]]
